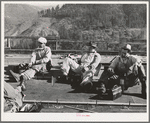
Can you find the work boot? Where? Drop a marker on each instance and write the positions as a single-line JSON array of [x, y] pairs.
[[15, 75], [87, 86], [101, 89], [23, 82]]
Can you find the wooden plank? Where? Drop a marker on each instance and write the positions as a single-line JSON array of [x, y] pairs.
[[80, 109], [32, 37], [110, 103], [70, 51]]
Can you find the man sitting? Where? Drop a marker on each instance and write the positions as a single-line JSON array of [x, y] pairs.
[[125, 70], [40, 57], [86, 65]]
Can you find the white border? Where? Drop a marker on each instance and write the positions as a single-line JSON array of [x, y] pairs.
[[110, 117]]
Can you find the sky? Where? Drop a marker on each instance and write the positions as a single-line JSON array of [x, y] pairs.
[[45, 3]]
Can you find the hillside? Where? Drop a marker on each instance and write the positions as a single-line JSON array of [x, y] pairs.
[[99, 22], [18, 17], [40, 27], [108, 23]]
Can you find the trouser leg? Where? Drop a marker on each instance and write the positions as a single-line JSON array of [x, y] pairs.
[[67, 64], [87, 80], [27, 75], [103, 82], [142, 77]]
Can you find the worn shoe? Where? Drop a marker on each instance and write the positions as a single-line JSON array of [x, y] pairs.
[[86, 86], [15, 75], [101, 89], [64, 71]]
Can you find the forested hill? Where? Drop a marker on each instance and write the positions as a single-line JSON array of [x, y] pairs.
[[98, 21], [83, 22], [101, 15]]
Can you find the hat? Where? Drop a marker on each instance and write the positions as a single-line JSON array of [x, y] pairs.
[[127, 47], [92, 44], [42, 40]]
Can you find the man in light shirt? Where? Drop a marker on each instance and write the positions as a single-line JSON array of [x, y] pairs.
[[86, 65], [39, 58], [125, 70]]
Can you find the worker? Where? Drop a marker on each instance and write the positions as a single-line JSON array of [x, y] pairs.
[[39, 59], [86, 66], [13, 98], [125, 70]]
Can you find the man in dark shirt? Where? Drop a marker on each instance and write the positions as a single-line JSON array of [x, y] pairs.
[[125, 70]]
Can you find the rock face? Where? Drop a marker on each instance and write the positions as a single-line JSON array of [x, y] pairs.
[[41, 27], [17, 15]]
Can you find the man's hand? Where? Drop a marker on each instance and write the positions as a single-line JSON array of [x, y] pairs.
[[30, 65], [85, 69]]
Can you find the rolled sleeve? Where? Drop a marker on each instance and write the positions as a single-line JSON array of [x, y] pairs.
[[33, 58], [96, 61]]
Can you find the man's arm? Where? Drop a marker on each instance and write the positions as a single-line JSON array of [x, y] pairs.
[[46, 58], [33, 58], [136, 63], [113, 65], [97, 60]]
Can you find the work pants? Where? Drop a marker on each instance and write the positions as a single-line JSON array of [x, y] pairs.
[[130, 80], [75, 67], [30, 73]]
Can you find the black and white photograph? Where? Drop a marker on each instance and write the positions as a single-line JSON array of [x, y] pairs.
[[75, 61]]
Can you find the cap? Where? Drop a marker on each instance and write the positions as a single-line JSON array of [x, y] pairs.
[[127, 47], [42, 40], [92, 44]]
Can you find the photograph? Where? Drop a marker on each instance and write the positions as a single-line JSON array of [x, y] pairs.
[[75, 61]]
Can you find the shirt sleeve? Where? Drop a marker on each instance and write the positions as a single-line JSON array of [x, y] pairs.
[[136, 61], [47, 56], [97, 60], [114, 63], [33, 58]]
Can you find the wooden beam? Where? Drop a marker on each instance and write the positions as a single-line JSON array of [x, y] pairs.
[[80, 109], [31, 37], [85, 103], [74, 51]]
